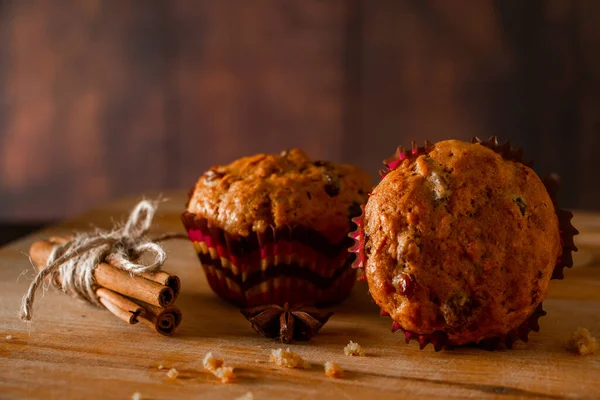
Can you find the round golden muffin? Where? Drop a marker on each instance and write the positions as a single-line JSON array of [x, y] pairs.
[[288, 189], [461, 241]]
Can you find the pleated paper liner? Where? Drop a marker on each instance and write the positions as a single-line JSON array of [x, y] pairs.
[[439, 339], [277, 266]]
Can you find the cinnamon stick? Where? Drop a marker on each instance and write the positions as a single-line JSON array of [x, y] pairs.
[[59, 239], [120, 306], [162, 277], [113, 286], [163, 320], [166, 279], [133, 286], [115, 279]]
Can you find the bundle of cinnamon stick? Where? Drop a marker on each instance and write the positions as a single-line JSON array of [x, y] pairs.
[[148, 297]]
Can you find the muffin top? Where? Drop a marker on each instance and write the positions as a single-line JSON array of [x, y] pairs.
[[264, 190], [460, 240]]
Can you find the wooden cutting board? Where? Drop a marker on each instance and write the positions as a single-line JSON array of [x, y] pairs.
[[73, 350]]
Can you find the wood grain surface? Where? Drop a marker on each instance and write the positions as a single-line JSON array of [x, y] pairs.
[[73, 350]]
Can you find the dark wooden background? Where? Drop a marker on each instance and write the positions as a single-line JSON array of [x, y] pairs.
[[100, 99]]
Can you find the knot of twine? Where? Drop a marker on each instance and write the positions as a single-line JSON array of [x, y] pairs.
[[71, 265]]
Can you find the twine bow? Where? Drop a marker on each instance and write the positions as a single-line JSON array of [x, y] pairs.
[[71, 265]]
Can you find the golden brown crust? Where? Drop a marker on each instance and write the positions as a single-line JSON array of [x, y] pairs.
[[462, 241], [264, 190]]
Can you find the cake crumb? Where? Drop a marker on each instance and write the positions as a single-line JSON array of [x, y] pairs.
[[216, 367], [333, 370], [160, 366], [173, 373], [287, 358], [225, 374], [8, 337], [247, 396], [136, 396], [582, 342], [354, 349], [210, 362]]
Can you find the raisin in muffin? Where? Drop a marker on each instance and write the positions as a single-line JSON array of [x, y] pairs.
[[459, 243], [273, 228]]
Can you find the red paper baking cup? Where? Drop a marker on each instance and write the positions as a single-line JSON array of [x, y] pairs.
[[439, 339], [280, 265]]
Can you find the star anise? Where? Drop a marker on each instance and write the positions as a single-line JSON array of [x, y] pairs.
[[300, 322]]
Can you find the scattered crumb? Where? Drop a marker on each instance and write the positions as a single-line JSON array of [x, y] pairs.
[[8, 337], [160, 366], [136, 396], [211, 363], [287, 358], [582, 342], [333, 370], [173, 373], [215, 365], [354, 349], [225, 374], [247, 396]]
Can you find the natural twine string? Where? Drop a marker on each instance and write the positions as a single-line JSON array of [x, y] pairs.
[[71, 265]]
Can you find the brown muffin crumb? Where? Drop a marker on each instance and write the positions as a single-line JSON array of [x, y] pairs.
[[210, 362], [173, 373], [225, 374], [287, 358], [354, 349], [333, 370], [582, 342], [216, 367]]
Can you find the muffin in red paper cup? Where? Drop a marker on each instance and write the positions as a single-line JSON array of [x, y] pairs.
[[272, 229], [459, 242]]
